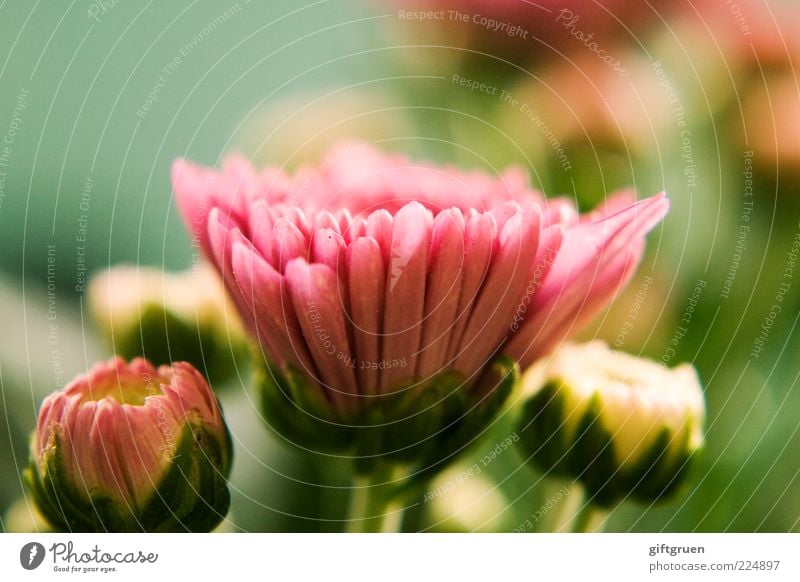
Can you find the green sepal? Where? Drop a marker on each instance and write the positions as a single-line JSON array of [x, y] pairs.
[[58, 498], [474, 419], [419, 424], [192, 496], [298, 411], [592, 458], [543, 430], [665, 470], [402, 426], [461, 423], [35, 482]]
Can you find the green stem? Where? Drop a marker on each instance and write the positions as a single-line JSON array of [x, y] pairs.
[[374, 506], [570, 506], [556, 504], [589, 519], [359, 504], [572, 511]]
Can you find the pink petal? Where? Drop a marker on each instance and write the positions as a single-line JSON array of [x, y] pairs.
[[263, 293], [379, 227], [328, 248], [588, 243], [550, 244], [261, 223], [614, 204], [405, 292], [594, 260], [239, 186], [49, 415], [74, 448], [503, 213], [570, 319], [445, 269], [148, 457], [325, 220], [275, 186], [502, 292], [479, 243], [288, 243], [366, 276], [357, 229], [313, 290], [193, 194], [191, 388], [221, 237], [344, 218], [559, 211], [113, 463], [297, 217], [81, 463]]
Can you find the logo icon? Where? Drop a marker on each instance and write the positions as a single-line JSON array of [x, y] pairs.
[[31, 555]]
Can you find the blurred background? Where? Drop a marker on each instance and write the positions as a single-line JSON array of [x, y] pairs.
[[698, 98]]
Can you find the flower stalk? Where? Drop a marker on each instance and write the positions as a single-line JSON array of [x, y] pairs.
[[376, 502]]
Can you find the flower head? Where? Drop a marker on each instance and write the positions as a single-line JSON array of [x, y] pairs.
[[131, 447], [622, 425], [371, 275]]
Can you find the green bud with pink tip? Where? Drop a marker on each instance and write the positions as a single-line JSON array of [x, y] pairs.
[[130, 447]]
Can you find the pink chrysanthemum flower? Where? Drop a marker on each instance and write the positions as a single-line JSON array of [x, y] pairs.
[[131, 447], [371, 274]]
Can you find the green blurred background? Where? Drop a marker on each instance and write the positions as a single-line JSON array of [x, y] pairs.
[[279, 81]]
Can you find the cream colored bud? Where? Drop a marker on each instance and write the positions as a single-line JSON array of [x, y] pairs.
[[623, 425], [168, 316]]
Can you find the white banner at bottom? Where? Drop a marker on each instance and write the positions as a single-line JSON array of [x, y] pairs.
[[401, 557]]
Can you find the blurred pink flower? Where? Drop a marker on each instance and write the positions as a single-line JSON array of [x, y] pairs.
[[523, 30], [371, 271], [747, 77], [750, 36]]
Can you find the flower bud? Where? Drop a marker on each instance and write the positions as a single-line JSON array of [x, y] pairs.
[[25, 517], [168, 317], [622, 425], [129, 447]]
